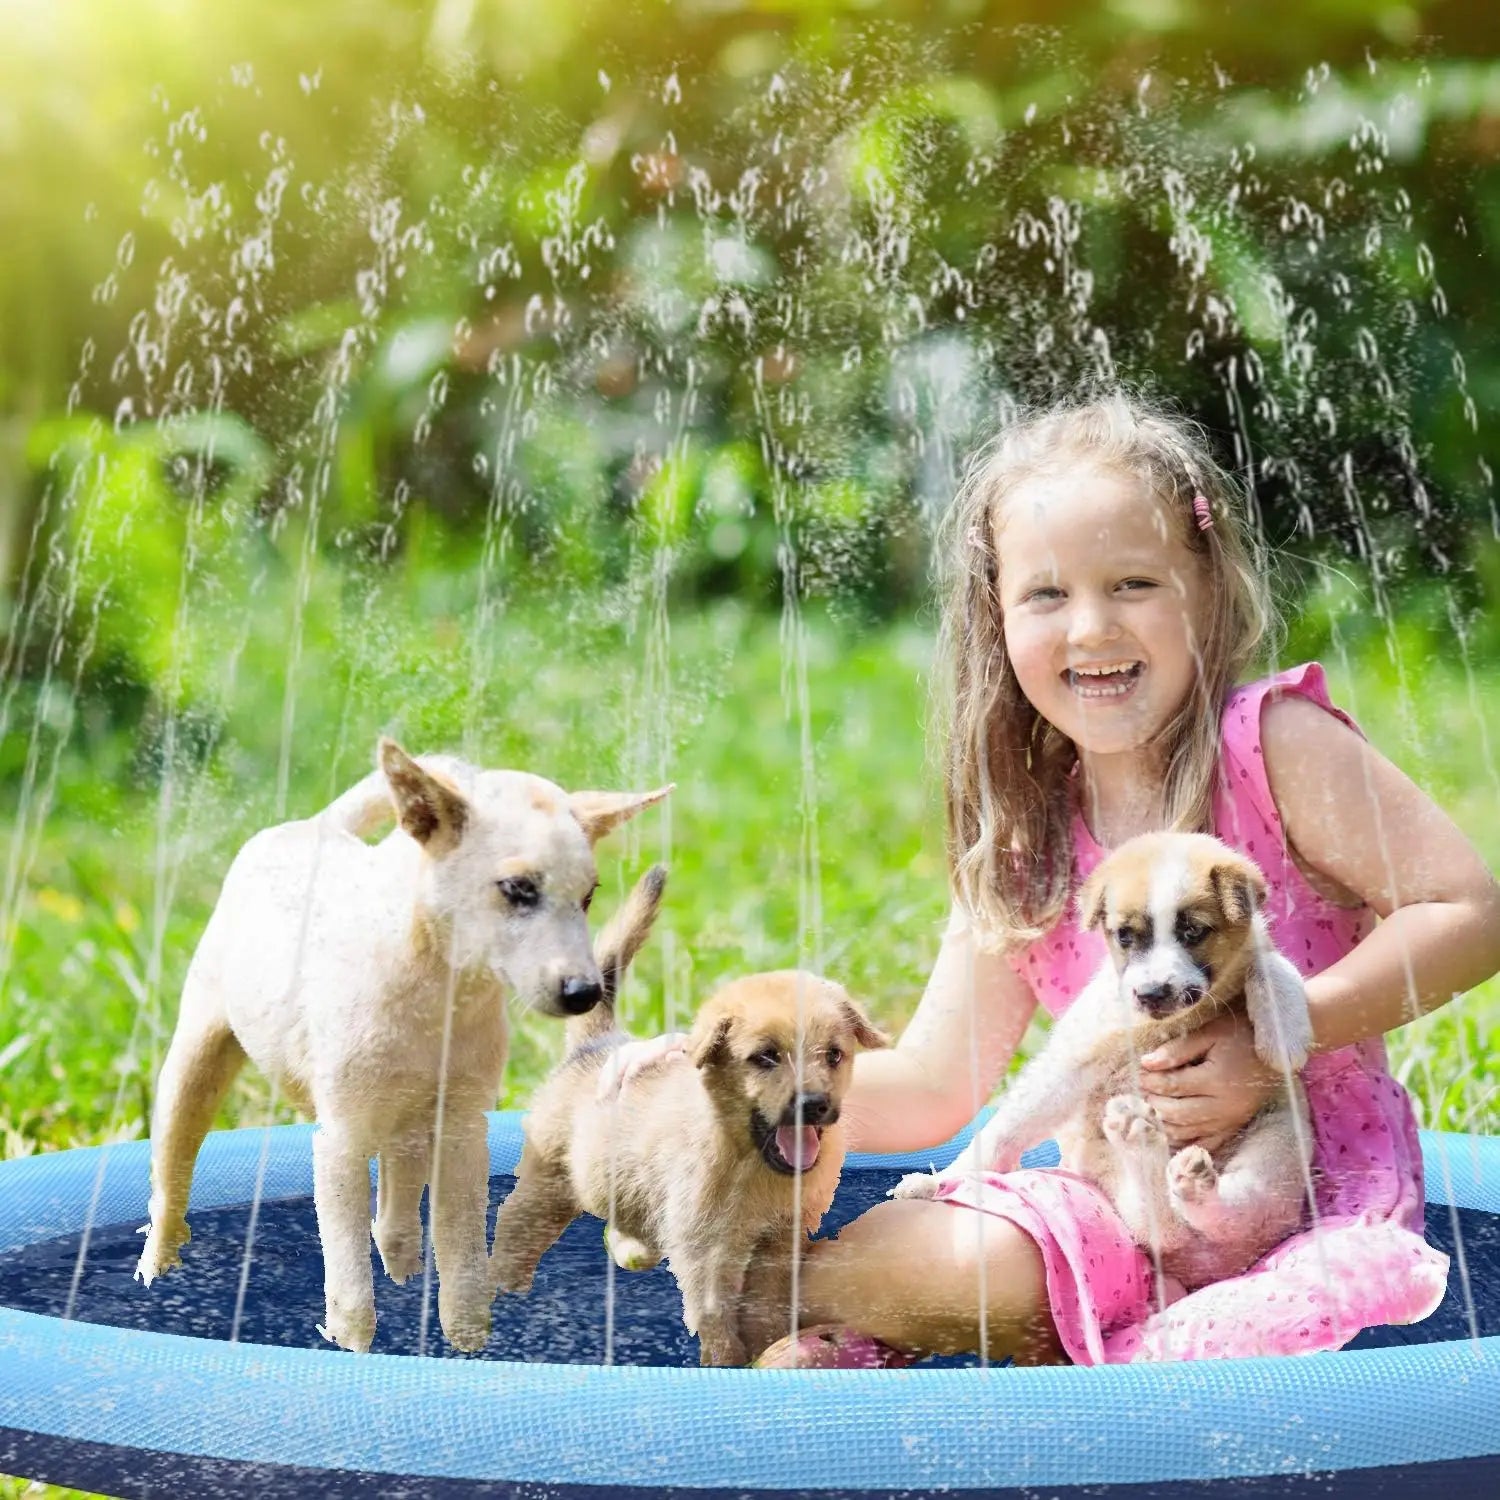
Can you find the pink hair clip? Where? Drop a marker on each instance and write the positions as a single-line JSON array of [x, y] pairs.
[[975, 537], [1201, 510]]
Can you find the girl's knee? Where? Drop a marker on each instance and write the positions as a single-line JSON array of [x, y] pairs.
[[1004, 1267]]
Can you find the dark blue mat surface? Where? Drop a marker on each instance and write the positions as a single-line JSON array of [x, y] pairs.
[[565, 1318]]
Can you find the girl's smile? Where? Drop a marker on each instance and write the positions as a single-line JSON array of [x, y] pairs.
[[1102, 604], [1116, 680]]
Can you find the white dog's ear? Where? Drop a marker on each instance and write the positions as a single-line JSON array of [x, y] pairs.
[[603, 812], [429, 808], [1277, 1005]]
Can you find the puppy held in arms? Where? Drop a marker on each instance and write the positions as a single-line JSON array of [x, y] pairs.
[[707, 1165], [368, 982], [1186, 940]]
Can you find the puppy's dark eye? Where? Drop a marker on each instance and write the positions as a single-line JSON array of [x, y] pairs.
[[835, 1056], [1190, 934], [767, 1058], [1124, 936], [519, 891], [588, 900]]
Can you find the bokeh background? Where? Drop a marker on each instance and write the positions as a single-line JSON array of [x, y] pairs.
[[577, 386]]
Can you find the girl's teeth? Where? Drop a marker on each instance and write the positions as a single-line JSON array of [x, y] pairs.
[[1114, 683]]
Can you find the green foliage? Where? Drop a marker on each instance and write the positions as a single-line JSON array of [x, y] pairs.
[[151, 517], [554, 293]]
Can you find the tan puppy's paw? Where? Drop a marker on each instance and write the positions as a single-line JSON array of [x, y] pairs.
[[508, 1274], [628, 1253], [916, 1185], [160, 1253], [1191, 1175], [722, 1351], [349, 1326], [1132, 1124]]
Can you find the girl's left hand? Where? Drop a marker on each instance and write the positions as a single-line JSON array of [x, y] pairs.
[[1208, 1085]]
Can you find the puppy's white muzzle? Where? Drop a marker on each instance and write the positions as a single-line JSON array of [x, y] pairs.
[[1162, 981]]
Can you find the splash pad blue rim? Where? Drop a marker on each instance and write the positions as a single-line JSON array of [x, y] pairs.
[[126, 1411]]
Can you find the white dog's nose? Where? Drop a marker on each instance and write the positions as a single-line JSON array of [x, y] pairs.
[[579, 995]]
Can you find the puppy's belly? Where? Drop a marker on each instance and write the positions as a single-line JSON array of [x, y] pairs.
[[1186, 1254], [614, 1178]]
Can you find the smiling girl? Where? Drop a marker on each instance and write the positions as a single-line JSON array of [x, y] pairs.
[[1106, 597]]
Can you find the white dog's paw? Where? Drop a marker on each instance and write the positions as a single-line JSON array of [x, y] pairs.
[[1132, 1124], [916, 1185], [1191, 1175], [160, 1252], [400, 1252], [1288, 1053], [465, 1318], [1277, 1001], [350, 1327]]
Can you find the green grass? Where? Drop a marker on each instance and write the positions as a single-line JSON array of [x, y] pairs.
[[112, 909], [120, 881]]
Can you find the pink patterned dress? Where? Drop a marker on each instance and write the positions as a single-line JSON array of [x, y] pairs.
[[1361, 1262]]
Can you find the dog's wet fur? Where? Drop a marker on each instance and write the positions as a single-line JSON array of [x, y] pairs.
[[705, 1160], [369, 983], [1187, 940]]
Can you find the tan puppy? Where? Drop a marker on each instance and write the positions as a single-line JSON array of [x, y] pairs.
[[369, 982], [1186, 940], [704, 1167]]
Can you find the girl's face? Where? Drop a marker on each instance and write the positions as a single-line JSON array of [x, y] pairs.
[[1103, 606]]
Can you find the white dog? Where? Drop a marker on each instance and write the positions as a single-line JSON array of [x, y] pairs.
[[368, 982], [1187, 939]]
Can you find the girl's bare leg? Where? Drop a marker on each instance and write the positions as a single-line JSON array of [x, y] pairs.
[[918, 1275]]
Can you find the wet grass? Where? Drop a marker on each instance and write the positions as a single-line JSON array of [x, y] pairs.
[[827, 852]]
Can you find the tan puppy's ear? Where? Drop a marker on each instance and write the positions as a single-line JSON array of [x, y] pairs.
[[603, 812], [866, 1033], [708, 1041], [1091, 903], [1239, 887], [430, 808]]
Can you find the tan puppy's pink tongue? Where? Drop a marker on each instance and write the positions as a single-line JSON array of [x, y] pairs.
[[799, 1148]]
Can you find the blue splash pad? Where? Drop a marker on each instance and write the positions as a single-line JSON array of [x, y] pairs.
[[140, 1390]]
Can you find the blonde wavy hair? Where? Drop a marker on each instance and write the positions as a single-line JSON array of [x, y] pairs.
[[1006, 770]]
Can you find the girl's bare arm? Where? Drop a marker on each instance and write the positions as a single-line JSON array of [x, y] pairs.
[[1354, 818], [949, 1058]]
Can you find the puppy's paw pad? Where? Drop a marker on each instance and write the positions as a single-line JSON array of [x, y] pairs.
[[1191, 1174], [1130, 1121], [916, 1185]]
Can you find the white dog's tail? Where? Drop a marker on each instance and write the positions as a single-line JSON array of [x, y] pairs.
[[615, 947], [368, 806], [363, 809]]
